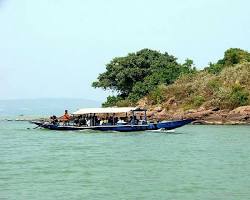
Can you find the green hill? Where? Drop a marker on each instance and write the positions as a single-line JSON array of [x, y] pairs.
[[223, 85], [151, 78]]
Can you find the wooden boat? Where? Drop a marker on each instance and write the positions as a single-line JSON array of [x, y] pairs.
[[132, 125]]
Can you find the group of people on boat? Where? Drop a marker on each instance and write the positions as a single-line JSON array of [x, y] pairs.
[[93, 120], [88, 120], [108, 119]]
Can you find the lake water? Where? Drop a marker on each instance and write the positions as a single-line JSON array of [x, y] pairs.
[[194, 162]]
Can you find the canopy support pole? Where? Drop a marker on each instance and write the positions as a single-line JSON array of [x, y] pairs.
[[133, 120], [113, 122]]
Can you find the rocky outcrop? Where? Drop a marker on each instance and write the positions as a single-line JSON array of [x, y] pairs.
[[240, 115]]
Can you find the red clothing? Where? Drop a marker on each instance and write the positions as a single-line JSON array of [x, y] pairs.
[[65, 117]]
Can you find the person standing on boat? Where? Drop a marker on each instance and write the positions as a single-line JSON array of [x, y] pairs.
[[66, 117]]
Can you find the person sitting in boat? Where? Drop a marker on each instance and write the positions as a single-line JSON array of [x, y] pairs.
[[121, 122], [102, 122], [77, 121], [88, 122], [106, 121], [135, 120], [110, 120], [83, 121], [53, 120], [116, 120], [95, 120], [142, 121], [130, 120]]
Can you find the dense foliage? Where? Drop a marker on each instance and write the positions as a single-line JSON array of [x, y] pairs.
[[136, 74], [224, 85], [231, 57], [157, 78]]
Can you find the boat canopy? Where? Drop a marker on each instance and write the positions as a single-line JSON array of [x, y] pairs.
[[106, 110]]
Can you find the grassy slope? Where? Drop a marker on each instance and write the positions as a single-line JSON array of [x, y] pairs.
[[226, 90]]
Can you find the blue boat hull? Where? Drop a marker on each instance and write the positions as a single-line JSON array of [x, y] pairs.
[[167, 125]]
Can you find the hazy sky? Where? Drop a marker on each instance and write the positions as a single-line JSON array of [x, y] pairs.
[[56, 48]]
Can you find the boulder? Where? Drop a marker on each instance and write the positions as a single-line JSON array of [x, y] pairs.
[[240, 114], [243, 110]]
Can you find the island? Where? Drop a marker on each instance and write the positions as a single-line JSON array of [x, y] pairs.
[[216, 94]]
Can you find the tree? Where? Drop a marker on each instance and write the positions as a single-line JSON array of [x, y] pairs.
[[136, 74], [231, 57]]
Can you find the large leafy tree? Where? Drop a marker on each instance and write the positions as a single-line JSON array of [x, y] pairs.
[[134, 75]]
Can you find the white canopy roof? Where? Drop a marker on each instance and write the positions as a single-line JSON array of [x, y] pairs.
[[105, 110]]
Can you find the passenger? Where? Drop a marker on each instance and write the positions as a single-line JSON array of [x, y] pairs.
[[77, 121], [83, 121], [116, 120], [88, 122], [95, 120], [106, 121], [98, 121], [65, 118], [130, 119], [102, 122], [121, 121], [126, 119], [53, 120], [135, 120], [142, 121], [110, 120]]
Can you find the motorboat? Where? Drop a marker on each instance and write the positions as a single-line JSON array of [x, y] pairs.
[[106, 119]]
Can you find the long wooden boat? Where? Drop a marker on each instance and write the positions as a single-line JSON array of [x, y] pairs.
[[167, 125], [124, 127]]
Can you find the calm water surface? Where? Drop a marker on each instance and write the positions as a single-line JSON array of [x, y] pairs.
[[194, 162]]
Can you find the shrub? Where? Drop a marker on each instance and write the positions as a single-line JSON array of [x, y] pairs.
[[238, 96], [124, 103], [198, 101], [157, 95], [112, 101], [214, 68], [213, 86]]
